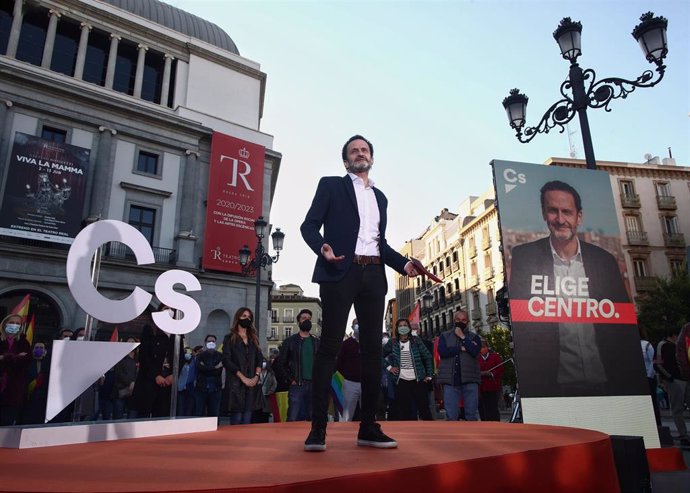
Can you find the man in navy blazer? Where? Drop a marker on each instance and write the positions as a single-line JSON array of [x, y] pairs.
[[351, 254]]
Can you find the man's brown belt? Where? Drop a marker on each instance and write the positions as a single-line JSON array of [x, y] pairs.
[[367, 260]]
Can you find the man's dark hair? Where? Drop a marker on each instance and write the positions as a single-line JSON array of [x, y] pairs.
[[357, 137], [560, 186], [210, 335], [302, 311]]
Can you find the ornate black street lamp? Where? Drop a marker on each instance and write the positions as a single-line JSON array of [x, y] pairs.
[[650, 34], [261, 259], [427, 304]]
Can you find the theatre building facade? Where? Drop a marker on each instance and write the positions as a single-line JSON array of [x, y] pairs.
[[133, 111]]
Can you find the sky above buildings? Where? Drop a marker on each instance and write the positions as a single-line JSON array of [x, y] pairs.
[[424, 81]]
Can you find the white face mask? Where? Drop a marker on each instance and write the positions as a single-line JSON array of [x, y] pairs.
[[414, 332], [13, 329], [210, 345], [384, 340], [66, 338], [80, 338]]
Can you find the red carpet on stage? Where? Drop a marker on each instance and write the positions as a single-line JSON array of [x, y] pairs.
[[432, 457]]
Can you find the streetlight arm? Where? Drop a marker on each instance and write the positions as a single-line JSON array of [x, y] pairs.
[[558, 115], [601, 93]]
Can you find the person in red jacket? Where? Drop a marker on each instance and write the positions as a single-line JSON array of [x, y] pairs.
[[490, 386]]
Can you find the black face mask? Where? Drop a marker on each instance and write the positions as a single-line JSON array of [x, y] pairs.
[[305, 326], [461, 325], [245, 323]]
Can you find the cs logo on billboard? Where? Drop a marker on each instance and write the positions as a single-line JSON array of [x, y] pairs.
[[513, 178]]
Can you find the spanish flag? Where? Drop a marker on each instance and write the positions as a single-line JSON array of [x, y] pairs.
[[30, 330], [114, 337], [23, 307]]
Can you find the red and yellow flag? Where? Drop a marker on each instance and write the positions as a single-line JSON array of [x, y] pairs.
[[22, 307], [414, 317], [30, 329]]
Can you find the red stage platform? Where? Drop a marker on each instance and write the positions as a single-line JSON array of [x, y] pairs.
[[432, 457]]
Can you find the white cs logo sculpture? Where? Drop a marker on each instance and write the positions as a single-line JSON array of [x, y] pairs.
[[117, 311]]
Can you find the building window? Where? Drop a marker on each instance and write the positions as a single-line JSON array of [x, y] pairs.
[[54, 134], [274, 315], [632, 224], [66, 46], [5, 24], [153, 76], [627, 188], [287, 331], [96, 61], [33, 35], [125, 67], [640, 267], [663, 189], [677, 266], [274, 331], [147, 162], [288, 315], [671, 225], [143, 219]]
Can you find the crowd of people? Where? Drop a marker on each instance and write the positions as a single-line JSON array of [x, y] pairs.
[[235, 380]]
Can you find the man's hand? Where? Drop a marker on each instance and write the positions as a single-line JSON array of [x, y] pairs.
[[160, 381], [394, 370], [329, 255], [410, 270]]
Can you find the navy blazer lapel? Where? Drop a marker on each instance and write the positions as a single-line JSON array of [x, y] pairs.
[[350, 190]]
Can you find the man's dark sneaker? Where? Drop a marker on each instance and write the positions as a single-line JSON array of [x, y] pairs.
[[316, 441], [371, 436]]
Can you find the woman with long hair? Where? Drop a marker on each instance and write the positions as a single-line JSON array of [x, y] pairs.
[[15, 358], [242, 360]]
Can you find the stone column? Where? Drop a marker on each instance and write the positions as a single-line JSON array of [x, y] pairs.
[[5, 115], [81, 52], [186, 239], [165, 89], [112, 59], [16, 29], [100, 175], [50, 39], [139, 77]]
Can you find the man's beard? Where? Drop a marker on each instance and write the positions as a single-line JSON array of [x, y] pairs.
[[358, 167]]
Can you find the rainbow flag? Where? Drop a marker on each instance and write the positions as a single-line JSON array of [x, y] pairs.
[[337, 391], [30, 330], [22, 307]]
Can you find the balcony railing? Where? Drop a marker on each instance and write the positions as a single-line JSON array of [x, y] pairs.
[[666, 202], [674, 239], [120, 251], [637, 238], [473, 280], [457, 296], [646, 283], [630, 200], [486, 243], [476, 313], [488, 273], [472, 251], [490, 308], [455, 266]]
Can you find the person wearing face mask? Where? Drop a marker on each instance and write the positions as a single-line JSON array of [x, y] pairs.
[[15, 357], [297, 362], [37, 388], [152, 390], [459, 368], [125, 376], [243, 360], [490, 386], [186, 381], [413, 367], [349, 365], [209, 364]]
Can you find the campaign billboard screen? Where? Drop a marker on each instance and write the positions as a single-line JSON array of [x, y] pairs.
[[45, 190], [235, 197], [573, 322]]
